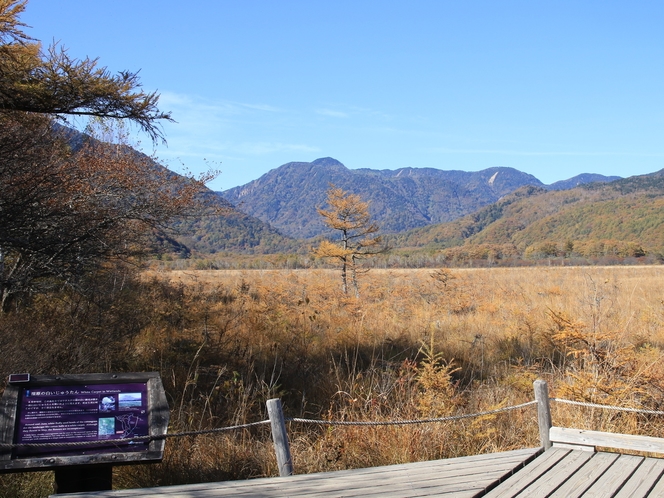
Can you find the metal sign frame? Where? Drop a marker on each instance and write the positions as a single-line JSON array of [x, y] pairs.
[[157, 413]]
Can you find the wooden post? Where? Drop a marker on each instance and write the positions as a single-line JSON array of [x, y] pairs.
[[280, 437], [543, 412]]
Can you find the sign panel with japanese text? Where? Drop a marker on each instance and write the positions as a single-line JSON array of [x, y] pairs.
[[82, 419], [82, 413]]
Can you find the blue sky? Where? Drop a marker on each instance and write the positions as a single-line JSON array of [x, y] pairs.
[[554, 88]]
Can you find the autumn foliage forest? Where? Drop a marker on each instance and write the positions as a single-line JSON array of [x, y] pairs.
[[83, 290]]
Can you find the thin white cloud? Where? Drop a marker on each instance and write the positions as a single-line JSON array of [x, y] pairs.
[[189, 104], [262, 107], [366, 111], [218, 151], [331, 113]]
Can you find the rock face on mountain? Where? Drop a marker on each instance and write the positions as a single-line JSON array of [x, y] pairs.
[[403, 199]]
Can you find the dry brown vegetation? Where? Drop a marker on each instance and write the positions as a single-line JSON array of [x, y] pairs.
[[419, 343]]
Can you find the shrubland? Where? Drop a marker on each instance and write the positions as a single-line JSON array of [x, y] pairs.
[[417, 344]]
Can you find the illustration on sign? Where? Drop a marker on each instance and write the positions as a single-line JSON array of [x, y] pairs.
[[99, 413]]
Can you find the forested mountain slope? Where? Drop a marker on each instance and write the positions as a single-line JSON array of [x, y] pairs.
[[400, 200], [216, 227], [221, 228], [625, 216]]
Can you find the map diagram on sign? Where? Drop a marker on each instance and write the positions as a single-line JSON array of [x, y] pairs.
[[128, 424]]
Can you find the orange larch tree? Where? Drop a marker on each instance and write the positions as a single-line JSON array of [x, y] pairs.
[[349, 216]]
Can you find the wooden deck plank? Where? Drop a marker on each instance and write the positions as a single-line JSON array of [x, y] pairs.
[[468, 465], [398, 486], [658, 488], [526, 476], [578, 483], [403, 483], [607, 439], [459, 477], [429, 479], [460, 481], [615, 477], [558, 474], [471, 468], [644, 478]]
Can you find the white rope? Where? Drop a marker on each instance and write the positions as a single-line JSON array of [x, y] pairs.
[[410, 422], [607, 407]]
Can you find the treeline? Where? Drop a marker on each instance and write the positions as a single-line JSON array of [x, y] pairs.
[[568, 253]]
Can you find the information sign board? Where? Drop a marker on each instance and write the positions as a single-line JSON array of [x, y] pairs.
[[83, 413], [67, 420]]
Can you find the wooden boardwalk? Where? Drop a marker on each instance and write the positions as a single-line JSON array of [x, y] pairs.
[[567, 465], [557, 473], [566, 473], [454, 477]]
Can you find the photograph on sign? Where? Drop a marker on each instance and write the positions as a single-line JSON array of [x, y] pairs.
[[93, 413]]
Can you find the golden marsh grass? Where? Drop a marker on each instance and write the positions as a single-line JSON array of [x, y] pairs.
[[416, 344]]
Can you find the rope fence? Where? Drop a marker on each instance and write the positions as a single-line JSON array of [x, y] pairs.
[[143, 439], [147, 439]]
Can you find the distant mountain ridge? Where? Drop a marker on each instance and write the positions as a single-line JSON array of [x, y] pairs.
[[623, 218], [462, 214], [287, 197]]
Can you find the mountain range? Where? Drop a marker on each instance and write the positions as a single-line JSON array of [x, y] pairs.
[[606, 222], [287, 197], [620, 219], [496, 213]]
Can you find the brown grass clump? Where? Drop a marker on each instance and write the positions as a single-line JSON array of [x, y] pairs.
[[418, 344]]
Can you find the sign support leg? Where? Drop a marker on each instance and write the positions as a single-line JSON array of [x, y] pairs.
[[83, 478]]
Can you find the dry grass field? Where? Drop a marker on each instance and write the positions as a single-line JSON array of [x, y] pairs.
[[416, 344]]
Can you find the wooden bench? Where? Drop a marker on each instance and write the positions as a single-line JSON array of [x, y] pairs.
[[571, 465], [580, 439]]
